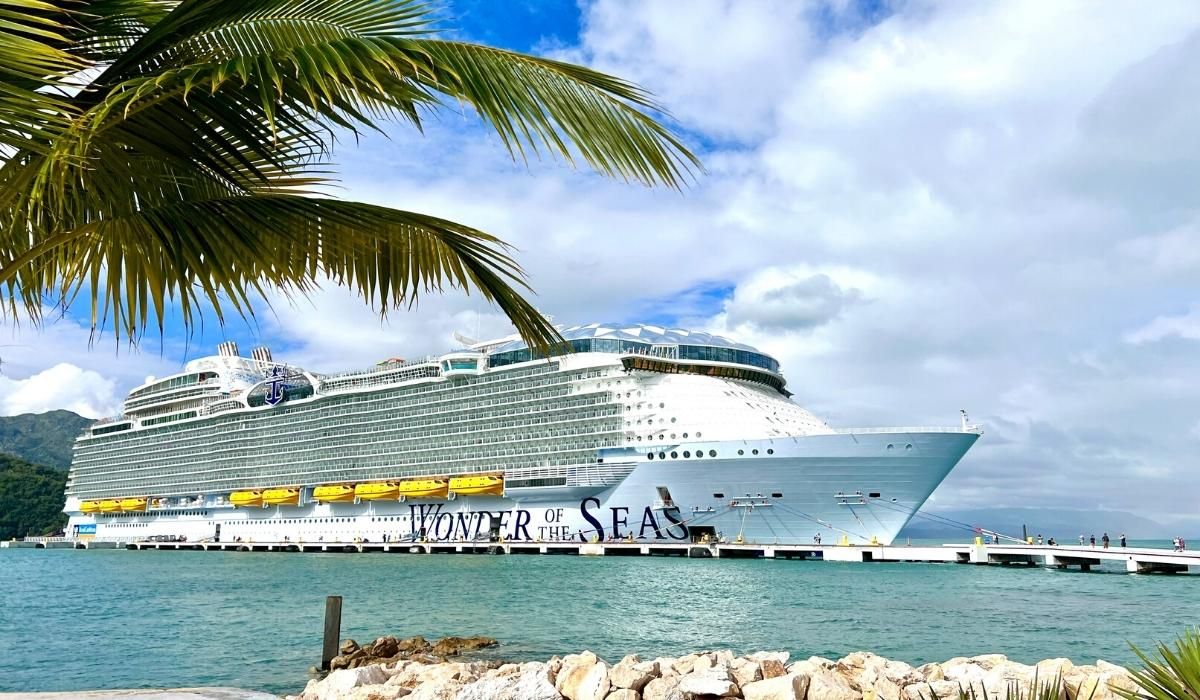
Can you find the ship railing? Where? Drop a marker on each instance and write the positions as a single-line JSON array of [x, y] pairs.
[[110, 419], [45, 539], [911, 429], [378, 369]]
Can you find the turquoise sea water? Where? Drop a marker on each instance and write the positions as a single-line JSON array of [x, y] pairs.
[[71, 620]]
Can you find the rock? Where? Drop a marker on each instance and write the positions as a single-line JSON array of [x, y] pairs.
[[684, 664], [791, 687], [453, 646], [384, 647], [772, 668], [413, 645], [714, 681], [435, 690], [624, 694], [704, 663], [442, 673], [827, 684], [377, 692], [989, 661], [780, 656], [583, 677], [935, 690], [723, 657], [532, 681], [632, 674], [931, 672], [659, 689], [1049, 668], [746, 671], [339, 683], [348, 646]]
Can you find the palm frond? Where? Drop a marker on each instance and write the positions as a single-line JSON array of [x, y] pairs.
[[231, 251], [1174, 675]]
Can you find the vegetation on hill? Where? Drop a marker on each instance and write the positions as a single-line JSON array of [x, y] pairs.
[[31, 498], [42, 438]]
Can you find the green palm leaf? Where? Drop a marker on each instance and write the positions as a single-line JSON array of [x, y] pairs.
[[185, 168]]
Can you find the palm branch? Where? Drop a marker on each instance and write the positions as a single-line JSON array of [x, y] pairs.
[[158, 153]]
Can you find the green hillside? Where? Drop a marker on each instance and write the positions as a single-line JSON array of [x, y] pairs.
[[42, 438], [31, 498]]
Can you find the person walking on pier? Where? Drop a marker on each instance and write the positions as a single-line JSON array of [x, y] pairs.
[[1081, 539], [817, 538], [1122, 540], [1093, 541], [1105, 540]]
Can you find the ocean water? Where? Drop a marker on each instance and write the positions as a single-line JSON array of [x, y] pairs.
[[72, 620]]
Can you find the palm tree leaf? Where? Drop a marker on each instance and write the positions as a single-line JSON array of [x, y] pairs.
[[229, 251]]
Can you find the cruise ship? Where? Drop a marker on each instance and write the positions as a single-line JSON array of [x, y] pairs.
[[639, 432]]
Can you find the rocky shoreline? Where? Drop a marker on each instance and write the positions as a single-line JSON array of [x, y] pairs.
[[404, 669]]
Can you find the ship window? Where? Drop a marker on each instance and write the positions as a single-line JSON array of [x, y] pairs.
[[873, 494], [685, 436], [685, 454], [770, 451], [662, 405], [662, 455], [890, 446], [718, 495], [674, 455], [777, 495], [697, 434], [699, 454], [908, 446], [672, 420], [741, 452], [649, 455], [712, 453], [754, 452]]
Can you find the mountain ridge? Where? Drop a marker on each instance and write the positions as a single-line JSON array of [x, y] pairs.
[[42, 438]]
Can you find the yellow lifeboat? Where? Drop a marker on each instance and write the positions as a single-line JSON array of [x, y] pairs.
[[110, 506], [281, 497], [478, 485], [334, 493], [378, 491], [424, 488], [89, 507], [244, 499], [133, 505]]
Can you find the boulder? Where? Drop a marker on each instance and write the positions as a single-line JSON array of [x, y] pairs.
[[792, 687], [746, 671], [435, 690], [531, 681], [660, 688], [934, 690], [632, 673], [713, 681], [442, 673], [684, 664], [377, 692], [384, 647], [453, 646], [624, 694], [723, 657], [341, 682], [780, 656], [931, 672], [827, 684], [348, 646], [773, 668], [583, 677]]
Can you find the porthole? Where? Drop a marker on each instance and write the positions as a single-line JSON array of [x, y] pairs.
[[891, 446], [685, 436], [639, 438], [873, 494], [649, 455], [908, 446], [754, 452], [674, 455], [672, 436], [672, 419], [686, 453], [697, 434], [661, 405], [712, 453], [741, 452], [770, 451], [699, 454], [776, 495], [660, 437]]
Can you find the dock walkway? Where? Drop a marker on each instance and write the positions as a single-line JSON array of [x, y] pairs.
[[1136, 560]]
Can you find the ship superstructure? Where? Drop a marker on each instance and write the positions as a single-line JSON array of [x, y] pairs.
[[640, 432]]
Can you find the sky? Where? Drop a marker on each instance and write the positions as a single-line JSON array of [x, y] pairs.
[[917, 207]]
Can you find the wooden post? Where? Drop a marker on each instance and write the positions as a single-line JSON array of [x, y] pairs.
[[333, 630]]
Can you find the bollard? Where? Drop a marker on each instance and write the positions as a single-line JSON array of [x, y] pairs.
[[333, 630]]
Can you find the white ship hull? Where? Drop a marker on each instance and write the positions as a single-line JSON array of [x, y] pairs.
[[858, 487]]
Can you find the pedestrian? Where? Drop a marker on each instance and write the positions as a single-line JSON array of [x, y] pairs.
[[1122, 540], [1039, 539], [1105, 540], [1080, 540], [1182, 545], [817, 538], [1093, 541]]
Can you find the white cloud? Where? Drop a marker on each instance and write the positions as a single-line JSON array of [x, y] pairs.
[[1186, 326], [61, 386]]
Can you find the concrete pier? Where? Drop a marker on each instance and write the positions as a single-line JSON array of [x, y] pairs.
[[1136, 560]]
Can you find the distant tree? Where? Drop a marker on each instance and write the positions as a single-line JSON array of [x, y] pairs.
[[31, 498], [156, 153]]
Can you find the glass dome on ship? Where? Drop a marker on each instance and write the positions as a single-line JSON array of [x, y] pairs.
[[640, 432]]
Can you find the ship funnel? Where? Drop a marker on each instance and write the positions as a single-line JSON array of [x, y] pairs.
[[261, 354], [228, 349]]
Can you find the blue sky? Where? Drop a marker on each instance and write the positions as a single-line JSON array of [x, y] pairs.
[[916, 207]]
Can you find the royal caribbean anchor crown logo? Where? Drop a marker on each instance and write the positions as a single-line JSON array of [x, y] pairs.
[[275, 387]]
